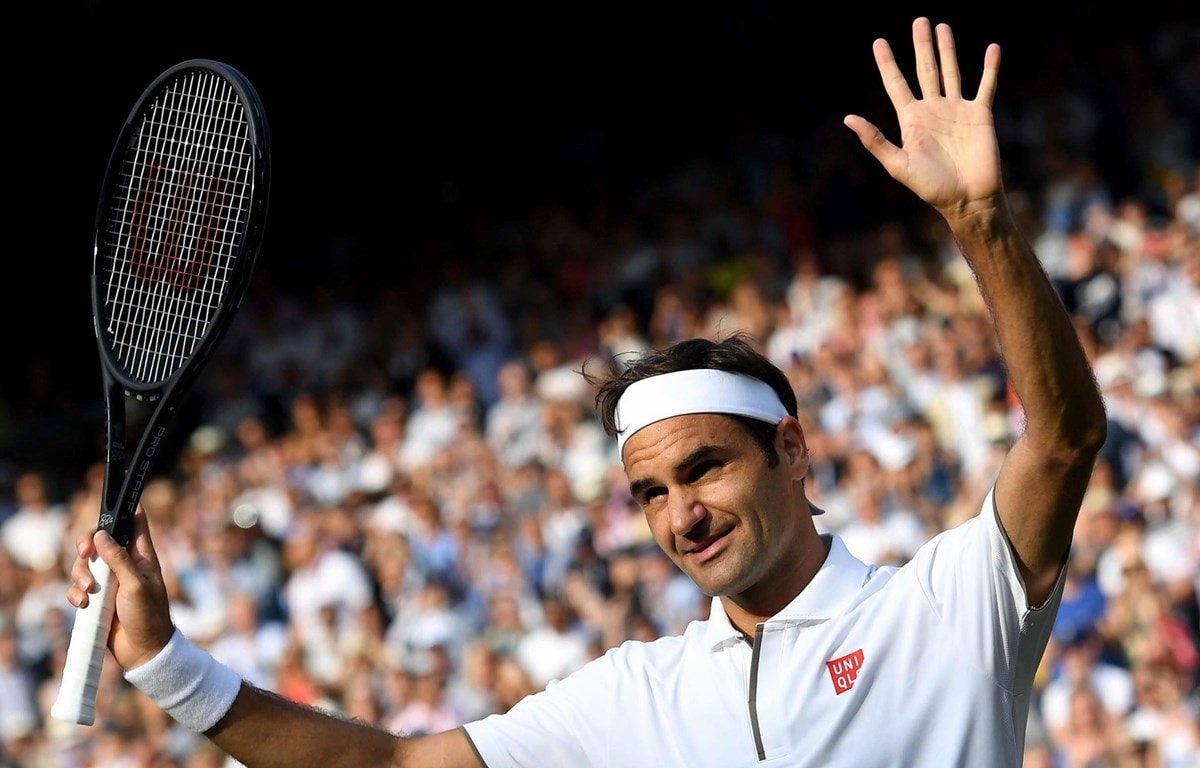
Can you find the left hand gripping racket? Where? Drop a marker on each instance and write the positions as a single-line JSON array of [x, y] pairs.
[[178, 229]]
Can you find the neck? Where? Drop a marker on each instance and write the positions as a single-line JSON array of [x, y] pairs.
[[746, 610]]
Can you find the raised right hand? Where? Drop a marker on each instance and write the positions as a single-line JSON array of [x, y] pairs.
[[141, 623], [948, 155]]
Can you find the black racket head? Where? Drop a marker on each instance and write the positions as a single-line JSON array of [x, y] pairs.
[[179, 222]]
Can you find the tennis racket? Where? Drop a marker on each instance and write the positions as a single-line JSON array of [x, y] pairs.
[[178, 229]]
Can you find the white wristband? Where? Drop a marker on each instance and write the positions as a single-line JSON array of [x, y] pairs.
[[187, 683]]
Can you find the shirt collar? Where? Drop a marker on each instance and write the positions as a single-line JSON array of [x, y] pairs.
[[840, 577]]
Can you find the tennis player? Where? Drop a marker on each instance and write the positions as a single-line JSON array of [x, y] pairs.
[[809, 657]]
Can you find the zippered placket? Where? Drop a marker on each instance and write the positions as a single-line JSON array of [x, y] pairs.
[[753, 697]]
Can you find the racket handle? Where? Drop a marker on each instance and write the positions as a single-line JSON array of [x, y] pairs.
[[76, 702]]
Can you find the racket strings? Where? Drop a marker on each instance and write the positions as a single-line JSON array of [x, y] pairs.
[[176, 222]]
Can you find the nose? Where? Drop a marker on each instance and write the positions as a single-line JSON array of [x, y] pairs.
[[684, 512]]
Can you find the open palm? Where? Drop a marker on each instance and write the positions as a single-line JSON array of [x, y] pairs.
[[948, 154]]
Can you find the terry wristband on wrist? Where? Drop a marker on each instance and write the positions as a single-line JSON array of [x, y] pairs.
[[187, 683]]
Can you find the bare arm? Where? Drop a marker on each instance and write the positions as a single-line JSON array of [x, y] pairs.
[[1043, 478], [950, 158], [261, 729]]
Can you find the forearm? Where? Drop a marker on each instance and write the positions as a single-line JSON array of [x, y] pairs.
[[1045, 362], [263, 730]]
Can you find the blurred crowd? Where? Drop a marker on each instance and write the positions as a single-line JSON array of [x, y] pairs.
[[408, 513]]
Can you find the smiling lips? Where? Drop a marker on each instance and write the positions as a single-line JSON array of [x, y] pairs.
[[706, 549]]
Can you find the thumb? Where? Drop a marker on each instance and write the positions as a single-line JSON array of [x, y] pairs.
[[115, 556], [887, 153], [141, 548]]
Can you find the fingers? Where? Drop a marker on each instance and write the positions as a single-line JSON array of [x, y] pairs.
[[951, 80], [927, 65], [893, 79], [84, 545], [991, 73], [123, 562], [937, 73], [81, 576]]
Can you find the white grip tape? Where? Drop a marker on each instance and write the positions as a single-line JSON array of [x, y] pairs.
[[187, 683], [76, 702]]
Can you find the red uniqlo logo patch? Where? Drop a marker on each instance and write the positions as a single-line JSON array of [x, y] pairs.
[[844, 670]]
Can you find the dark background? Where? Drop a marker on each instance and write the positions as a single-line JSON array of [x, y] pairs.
[[399, 129]]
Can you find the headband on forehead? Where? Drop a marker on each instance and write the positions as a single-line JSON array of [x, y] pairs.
[[700, 390]]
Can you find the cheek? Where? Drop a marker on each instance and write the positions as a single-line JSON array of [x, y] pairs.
[[660, 528], [736, 495]]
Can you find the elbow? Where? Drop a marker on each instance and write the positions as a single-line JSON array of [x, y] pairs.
[[1093, 430], [1090, 442], [1080, 445], [1071, 443], [1084, 428]]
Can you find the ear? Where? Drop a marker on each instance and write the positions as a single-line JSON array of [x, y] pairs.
[[792, 448]]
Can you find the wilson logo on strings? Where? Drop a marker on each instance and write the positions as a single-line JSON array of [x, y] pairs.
[[177, 224], [844, 670]]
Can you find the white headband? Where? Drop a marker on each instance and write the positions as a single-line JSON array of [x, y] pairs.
[[700, 390]]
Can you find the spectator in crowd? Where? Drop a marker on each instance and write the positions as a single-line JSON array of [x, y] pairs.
[[1163, 726], [468, 323], [1090, 735], [513, 424], [248, 643], [33, 534], [879, 535], [19, 715], [1084, 678], [555, 647]]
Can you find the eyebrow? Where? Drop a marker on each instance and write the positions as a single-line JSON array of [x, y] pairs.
[[701, 453]]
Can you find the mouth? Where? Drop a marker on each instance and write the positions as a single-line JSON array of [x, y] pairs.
[[707, 549]]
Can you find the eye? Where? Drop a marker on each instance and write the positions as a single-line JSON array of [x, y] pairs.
[[701, 468], [647, 497]]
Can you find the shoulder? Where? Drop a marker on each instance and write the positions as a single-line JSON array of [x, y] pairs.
[[640, 660], [656, 651]]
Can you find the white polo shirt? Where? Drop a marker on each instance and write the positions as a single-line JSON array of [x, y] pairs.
[[929, 664]]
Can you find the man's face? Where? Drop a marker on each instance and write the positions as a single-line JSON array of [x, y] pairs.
[[732, 524]]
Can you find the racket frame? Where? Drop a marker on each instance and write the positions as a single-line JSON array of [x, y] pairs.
[[124, 481]]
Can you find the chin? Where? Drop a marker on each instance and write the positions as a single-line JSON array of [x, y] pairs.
[[717, 585]]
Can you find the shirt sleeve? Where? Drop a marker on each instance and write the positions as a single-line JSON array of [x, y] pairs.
[[970, 577]]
